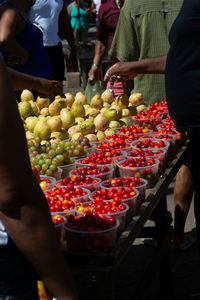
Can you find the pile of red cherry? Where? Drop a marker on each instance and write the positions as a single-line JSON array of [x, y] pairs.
[[90, 222], [113, 194], [77, 180], [91, 171], [101, 207], [108, 146], [149, 143], [144, 152], [138, 162], [125, 182]]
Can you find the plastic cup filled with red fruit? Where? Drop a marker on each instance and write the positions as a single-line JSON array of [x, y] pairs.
[[59, 222], [114, 145], [139, 183], [87, 182], [115, 209], [47, 182], [115, 154], [69, 193], [91, 233], [138, 167], [59, 205], [102, 172], [159, 154], [125, 195], [151, 144], [96, 159], [148, 120]]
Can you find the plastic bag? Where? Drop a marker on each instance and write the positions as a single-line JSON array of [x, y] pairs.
[[93, 88]]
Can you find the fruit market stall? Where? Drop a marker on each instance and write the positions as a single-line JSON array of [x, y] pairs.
[[105, 169]]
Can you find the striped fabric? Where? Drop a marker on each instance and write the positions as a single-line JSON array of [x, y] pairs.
[[142, 32]]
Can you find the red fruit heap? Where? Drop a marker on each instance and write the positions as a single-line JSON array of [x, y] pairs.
[[138, 162], [77, 180], [90, 222], [57, 219], [149, 143], [158, 107], [91, 171], [125, 182], [98, 159], [166, 137], [108, 146], [134, 130], [144, 152], [113, 194], [149, 115], [103, 207]]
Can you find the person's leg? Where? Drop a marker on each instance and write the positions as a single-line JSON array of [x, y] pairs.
[[57, 61], [183, 192], [195, 143]]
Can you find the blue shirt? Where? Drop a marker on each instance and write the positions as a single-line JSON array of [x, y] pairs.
[[31, 39]]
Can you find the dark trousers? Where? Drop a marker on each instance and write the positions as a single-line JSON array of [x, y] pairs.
[[194, 136], [18, 280], [57, 61]]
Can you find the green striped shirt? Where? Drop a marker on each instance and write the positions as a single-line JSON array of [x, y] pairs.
[[142, 32]]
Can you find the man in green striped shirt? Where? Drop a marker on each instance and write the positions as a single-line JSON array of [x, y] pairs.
[[142, 32]]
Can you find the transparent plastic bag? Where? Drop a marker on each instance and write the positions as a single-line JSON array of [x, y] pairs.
[[93, 88]]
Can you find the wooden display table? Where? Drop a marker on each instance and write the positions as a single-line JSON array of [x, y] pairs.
[[103, 265]]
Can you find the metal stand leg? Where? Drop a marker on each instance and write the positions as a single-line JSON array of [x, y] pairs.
[[164, 239]]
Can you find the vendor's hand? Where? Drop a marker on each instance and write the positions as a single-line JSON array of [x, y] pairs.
[[120, 71], [18, 60], [94, 73], [49, 88]]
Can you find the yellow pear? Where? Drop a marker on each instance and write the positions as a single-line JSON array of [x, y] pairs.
[[80, 98], [107, 96], [26, 95], [42, 102], [55, 123], [135, 99]]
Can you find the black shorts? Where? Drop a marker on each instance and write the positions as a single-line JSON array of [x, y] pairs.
[[18, 279], [57, 61]]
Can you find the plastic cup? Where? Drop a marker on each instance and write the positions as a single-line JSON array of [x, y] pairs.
[[150, 173], [103, 176], [47, 186], [91, 241]]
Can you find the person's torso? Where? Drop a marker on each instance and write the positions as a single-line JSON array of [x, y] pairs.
[[45, 15], [30, 38], [78, 17], [183, 67], [109, 13], [151, 27]]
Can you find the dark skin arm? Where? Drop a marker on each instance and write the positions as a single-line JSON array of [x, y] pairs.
[[43, 86], [66, 32], [128, 70], [23, 207]]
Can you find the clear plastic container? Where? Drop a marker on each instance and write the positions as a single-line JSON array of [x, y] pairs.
[[58, 173], [66, 169], [60, 228], [150, 123], [166, 147], [91, 186], [79, 164], [65, 213], [120, 215], [91, 241], [103, 176], [47, 186], [131, 202], [150, 173], [83, 198]]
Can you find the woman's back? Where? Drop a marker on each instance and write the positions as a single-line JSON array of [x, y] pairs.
[[75, 17]]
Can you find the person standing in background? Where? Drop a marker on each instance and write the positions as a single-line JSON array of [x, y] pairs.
[[77, 12], [107, 22], [142, 34], [21, 43], [51, 18]]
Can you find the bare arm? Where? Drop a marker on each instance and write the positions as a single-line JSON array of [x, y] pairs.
[[129, 70], [100, 49], [23, 208], [43, 86], [8, 28]]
